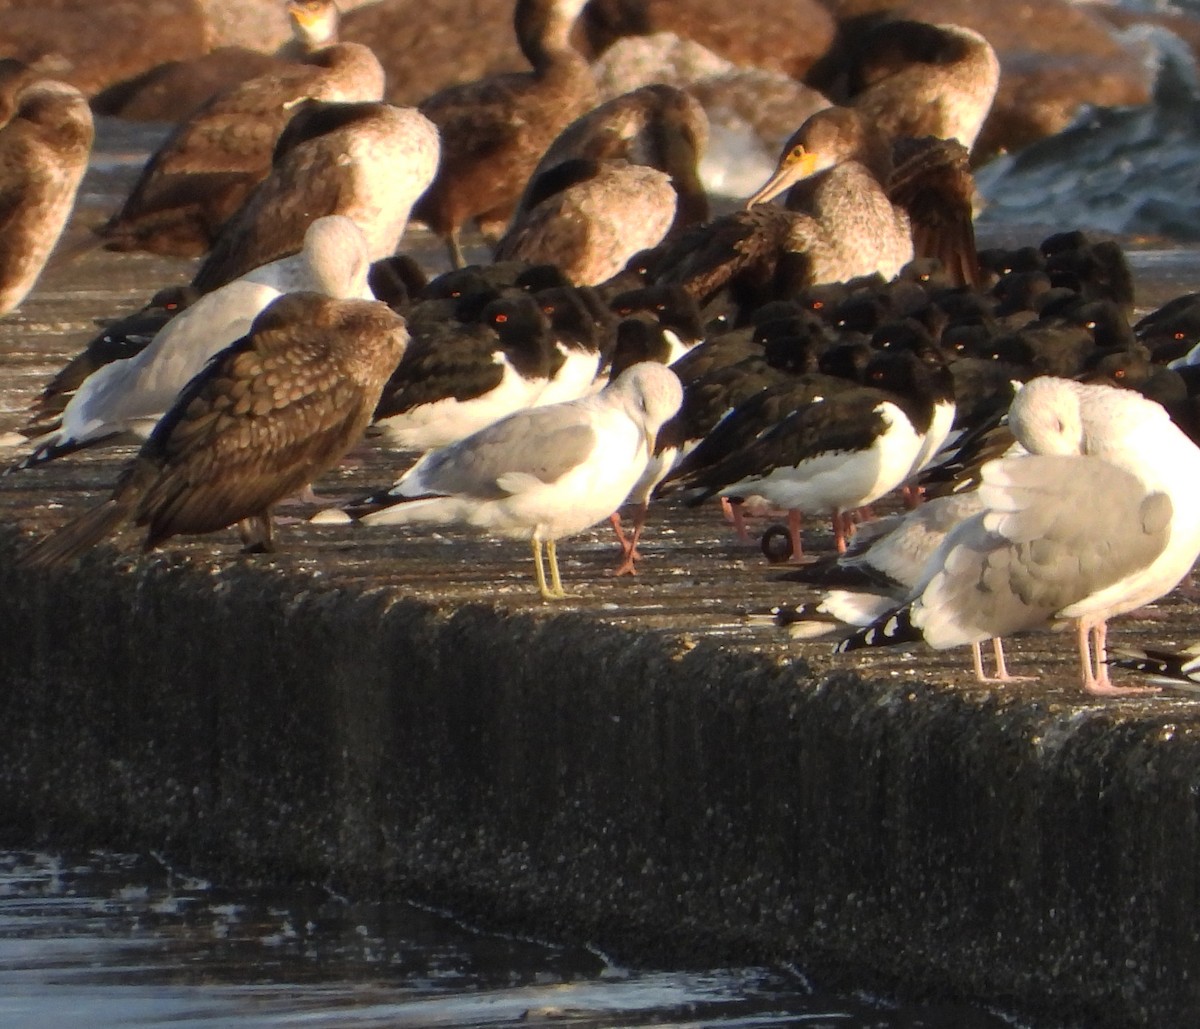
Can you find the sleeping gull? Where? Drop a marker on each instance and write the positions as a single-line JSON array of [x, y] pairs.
[[128, 397], [1043, 549], [541, 473], [265, 417], [886, 561]]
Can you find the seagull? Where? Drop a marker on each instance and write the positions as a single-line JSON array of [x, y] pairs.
[[1044, 550], [129, 396], [263, 419], [542, 473], [886, 561]]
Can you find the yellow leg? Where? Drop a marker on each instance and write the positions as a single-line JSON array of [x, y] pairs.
[[556, 585], [539, 571]]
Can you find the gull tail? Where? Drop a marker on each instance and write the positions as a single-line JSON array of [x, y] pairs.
[[1180, 670], [889, 630], [53, 449]]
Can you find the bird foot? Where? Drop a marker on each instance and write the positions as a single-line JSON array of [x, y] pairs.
[[1107, 689]]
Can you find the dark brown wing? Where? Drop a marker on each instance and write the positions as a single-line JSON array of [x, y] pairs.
[[309, 179], [267, 415], [746, 250], [205, 170], [931, 179]]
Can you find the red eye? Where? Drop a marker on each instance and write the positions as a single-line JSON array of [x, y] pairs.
[[500, 319], [623, 311], [660, 307], [455, 294], [817, 305], [1119, 373], [1180, 335], [170, 307]]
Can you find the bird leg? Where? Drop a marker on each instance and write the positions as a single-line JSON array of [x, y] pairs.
[[454, 247], [1002, 674], [257, 533], [732, 509], [1092, 638], [554, 589], [797, 553], [843, 528], [629, 544], [556, 585]]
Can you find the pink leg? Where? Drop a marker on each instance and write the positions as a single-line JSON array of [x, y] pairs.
[[1001, 668], [614, 520], [733, 512], [629, 546], [794, 536], [843, 526], [1092, 656], [913, 496]]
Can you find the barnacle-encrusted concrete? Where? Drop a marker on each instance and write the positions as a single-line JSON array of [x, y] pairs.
[[668, 796]]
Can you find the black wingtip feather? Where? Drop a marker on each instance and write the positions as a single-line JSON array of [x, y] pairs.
[[892, 629]]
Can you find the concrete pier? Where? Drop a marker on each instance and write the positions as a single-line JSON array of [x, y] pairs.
[[637, 767], [664, 795]]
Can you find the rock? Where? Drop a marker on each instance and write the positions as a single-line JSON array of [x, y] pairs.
[[256, 24], [92, 45], [1040, 96], [784, 37], [426, 46]]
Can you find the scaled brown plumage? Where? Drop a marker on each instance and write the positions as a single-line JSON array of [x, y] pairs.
[[266, 417], [204, 171], [495, 130]]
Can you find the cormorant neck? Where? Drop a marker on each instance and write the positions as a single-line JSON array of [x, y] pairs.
[[543, 30]]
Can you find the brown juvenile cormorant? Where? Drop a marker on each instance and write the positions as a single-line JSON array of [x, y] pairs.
[[495, 130], [267, 416]]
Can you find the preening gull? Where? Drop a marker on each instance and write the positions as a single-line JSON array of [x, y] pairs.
[[265, 417], [542, 473], [1100, 519], [128, 397]]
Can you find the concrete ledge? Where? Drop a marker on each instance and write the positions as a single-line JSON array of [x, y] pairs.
[[564, 775]]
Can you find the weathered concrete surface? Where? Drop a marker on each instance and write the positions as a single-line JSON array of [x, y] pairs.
[[636, 767], [667, 796]]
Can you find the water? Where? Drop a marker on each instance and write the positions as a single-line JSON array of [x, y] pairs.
[[100, 939]]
